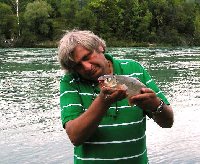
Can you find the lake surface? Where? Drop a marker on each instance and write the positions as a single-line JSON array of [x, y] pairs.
[[30, 126]]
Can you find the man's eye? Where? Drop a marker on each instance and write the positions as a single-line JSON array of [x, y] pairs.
[[87, 57]]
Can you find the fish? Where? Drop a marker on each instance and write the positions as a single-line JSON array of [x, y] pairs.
[[131, 84]]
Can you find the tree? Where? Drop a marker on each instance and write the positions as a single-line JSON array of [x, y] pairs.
[[85, 19], [55, 4], [107, 15], [68, 11], [37, 18], [12, 4], [7, 23], [135, 20], [197, 28]]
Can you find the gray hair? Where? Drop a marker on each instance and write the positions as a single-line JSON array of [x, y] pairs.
[[73, 38]]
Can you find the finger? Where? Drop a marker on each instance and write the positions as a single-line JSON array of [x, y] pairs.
[[119, 95], [131, 102], [142, 97], [146, 90], [107, 90]]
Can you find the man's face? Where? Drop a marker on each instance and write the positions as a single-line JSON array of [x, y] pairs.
[[90, 65]]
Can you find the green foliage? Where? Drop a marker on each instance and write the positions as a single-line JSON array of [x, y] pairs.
[[36, 17], [68, 10], [85, 19], [172, 21], [119, 22], [197, 29], [55, 5], [107, 16], [137, 18], [7, 23]]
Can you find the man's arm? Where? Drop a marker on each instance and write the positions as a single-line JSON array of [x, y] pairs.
[[81, 128], [165, 118], [148, 101]]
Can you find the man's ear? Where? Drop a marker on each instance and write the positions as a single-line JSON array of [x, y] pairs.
[[101, 49]]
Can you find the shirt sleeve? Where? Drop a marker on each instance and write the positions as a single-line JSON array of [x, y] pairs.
[[70, 101], [150, 83]]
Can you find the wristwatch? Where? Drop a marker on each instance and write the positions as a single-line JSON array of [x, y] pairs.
[[159, 108]]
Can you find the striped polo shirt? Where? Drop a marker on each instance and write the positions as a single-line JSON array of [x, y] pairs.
[[120, 137]]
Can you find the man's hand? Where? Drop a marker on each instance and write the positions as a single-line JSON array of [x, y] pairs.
[[111, 95], [147, 100]]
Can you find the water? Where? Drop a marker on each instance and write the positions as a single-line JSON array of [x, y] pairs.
[[30, 126]]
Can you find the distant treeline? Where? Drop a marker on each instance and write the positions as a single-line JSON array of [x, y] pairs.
[[38, 23]]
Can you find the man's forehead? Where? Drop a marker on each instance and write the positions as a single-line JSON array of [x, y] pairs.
[[80, 52], [79, 48]]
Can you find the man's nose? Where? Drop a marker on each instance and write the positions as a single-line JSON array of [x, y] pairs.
[[86, 65]]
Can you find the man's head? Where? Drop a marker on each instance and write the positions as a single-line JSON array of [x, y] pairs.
[[75, 38]]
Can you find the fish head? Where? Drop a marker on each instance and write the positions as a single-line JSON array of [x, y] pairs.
[[108, 81]]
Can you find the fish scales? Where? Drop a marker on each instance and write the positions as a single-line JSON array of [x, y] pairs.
[[133, 85]]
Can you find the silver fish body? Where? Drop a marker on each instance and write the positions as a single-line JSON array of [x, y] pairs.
[[133, 85]]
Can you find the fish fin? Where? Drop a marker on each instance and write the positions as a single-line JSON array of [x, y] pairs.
[[123, 86]]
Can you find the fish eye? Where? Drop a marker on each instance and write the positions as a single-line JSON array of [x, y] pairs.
[[109, 79]]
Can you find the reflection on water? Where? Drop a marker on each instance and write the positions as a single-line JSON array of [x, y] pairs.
[[30, 124], [30, 127]]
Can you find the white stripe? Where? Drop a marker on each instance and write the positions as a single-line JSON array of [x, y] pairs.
[[71, 105], [121, 107], [149, 81], [110, 159], [86, 94], [158, 92], [125, 63], [68, 92], [133, 74], [72, 81], [117, 142], [123, 124]]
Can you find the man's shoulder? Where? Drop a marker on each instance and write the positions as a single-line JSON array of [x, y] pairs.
[[128, 62], [67, 77], [120, 60]]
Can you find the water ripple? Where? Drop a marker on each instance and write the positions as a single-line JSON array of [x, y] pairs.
[[30, 126]]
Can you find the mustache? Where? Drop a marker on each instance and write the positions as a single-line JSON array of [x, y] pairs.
[[91, 71]]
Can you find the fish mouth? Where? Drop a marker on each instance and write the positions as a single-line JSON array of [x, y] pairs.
[[108, 80], [106, 77]]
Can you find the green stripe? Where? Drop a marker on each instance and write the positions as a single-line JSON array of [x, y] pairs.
[[112, 150]]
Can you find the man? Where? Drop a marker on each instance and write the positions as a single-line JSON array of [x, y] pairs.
[[100, 123]]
